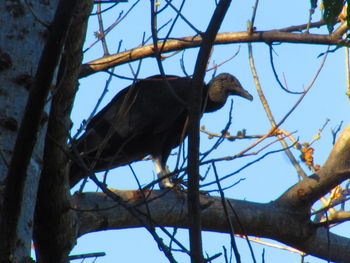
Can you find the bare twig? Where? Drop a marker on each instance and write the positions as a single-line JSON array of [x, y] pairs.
[[347, 72], [251, 23], [102, 31], [118, 20], [232, 231], [299, 170], [104, 10], [276, 75], [221, 138], [259, 241], [88, 255], [335, 132], [238, 170], [92, 114], [183, 17], [300, 28], [110, 1], [225, 61]]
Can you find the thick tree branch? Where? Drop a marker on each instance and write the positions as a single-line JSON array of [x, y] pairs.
[[195, 41], [333, 172], [286, 220], [98, 212]]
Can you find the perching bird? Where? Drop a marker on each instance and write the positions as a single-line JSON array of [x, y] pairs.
[[147, 118]]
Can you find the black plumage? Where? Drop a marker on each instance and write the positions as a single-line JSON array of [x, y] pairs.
[[147, 118]]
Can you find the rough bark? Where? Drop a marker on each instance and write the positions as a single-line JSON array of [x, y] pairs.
[[55, 224], [98, 212], [335, 170], [17, 68]]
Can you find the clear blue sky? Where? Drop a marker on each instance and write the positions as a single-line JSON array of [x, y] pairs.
[[264, 181]]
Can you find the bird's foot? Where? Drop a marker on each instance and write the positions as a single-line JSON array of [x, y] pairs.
[[165, 184]]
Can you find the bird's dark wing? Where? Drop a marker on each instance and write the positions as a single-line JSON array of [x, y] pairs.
[[136, 122], [115, 104], [147, 106]]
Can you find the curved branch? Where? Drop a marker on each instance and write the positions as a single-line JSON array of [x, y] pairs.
[[333, 172], [264, 220], [195, 41]]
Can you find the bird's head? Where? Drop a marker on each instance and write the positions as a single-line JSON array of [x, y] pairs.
[[227, 84], [222, 86]]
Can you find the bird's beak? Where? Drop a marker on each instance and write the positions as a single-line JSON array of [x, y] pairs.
[[245, 94]]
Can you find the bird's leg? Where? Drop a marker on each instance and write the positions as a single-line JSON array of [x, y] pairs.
[[162, 170]]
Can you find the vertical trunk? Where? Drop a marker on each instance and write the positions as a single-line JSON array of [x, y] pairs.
[[194, 209], [22, 40], [55, 228]]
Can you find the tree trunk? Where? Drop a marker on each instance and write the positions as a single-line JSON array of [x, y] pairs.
[[23, 39], [55, 230]]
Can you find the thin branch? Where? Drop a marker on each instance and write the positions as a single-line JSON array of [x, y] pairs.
[[88, 255], [173, 24], [240, 169], [224, 206], [307, 26], [110, 1], [158, 53], [104, 10], [183, 17], [251, 23], [109, 29], [221, 138], [259, 241], [347, 72], [225, 61], [267, 109], [335, 131], [155, 38], [276, 75], [99, 101], [102, 31]]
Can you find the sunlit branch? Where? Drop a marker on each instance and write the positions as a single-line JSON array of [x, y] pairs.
[[284, 224], [195, 41], [332, 173]]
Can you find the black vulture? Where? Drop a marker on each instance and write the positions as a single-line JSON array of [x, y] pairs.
[[146, 118]]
